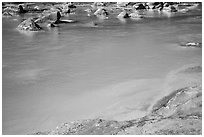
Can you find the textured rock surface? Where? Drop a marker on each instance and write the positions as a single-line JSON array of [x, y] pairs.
[[29, 25], [177, 113]]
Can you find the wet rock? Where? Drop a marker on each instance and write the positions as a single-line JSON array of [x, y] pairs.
[[48, 16], [192, 44], [21, 10], [173, 8], [29, 25], [51, 25], [68, 7], [71, 5], [135, 15], [170, 8], [101, 11], [123, 14]]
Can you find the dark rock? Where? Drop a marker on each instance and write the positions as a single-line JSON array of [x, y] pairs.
[[68, 8], [71, 5], [21, 10], [140, 7], [173, 8], [29, 25]]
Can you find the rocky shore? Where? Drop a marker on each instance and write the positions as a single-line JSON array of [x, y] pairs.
[[178, 113], [51, 13]]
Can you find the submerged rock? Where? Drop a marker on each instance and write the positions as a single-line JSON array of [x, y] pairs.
[[29, 25]]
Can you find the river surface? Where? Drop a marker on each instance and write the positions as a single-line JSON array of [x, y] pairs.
[[76, 70]]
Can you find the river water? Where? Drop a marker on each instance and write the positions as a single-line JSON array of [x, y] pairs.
[[78, 70]]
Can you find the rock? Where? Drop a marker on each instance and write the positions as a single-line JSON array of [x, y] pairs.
[[10, 11], [71, 5], [101, 13], [180, 112], [173, 8], [170, 8], [123, 14], [49, 16], [89, 12], [21, 10], [51, 25], [135, 15], [67, 8], [29, 25], [6, 14], [139, 7], [64, 21], [192, 44], [180, 103], [122, 4]]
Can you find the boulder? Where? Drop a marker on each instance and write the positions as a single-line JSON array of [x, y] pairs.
[[29, 25]]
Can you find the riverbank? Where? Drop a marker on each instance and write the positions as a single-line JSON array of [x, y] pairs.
[[176, 113], [95, 70]]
